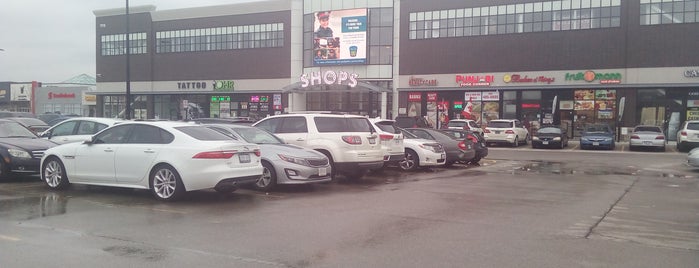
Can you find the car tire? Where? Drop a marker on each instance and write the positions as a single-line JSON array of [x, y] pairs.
[[526, 139], [411, 161], [268, 180], [54, 173], [516, 142], [166, 184]]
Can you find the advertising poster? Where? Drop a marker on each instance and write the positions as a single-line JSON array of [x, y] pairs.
[[605, 94], [584, 105], [431, 114], [585, 94], [20, 92], [339, 37]]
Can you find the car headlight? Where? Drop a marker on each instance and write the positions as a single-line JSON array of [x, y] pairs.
[[584, 139], [295, 160], [19, 153], [429, 147], [608, 139], [535, 138], [557, 138]]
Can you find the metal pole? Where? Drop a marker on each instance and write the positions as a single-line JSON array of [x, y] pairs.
[[127, 113]]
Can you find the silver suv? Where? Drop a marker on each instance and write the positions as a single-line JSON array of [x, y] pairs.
[[688, 136], [349, 141]]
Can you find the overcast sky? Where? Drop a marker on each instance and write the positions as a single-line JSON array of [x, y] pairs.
[[52, 41]]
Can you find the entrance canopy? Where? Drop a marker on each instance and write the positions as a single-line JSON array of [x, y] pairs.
[[361, 86]]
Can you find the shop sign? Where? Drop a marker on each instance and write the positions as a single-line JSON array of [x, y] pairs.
[[590, 76], [414, 96], [431, 96], [277, 101], [191, 85], [472, 96], [691, 73], [329, 78], [531, 106], [474, 80], [90, 98], [418, 82], [516, 78], [61, 95], [458, 105], [491, 96], [224, 85], [693, 114]]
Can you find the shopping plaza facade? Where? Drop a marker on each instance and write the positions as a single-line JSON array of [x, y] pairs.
[[567, 62]]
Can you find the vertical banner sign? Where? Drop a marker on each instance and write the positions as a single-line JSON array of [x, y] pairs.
[[432, 109], [340, 37]]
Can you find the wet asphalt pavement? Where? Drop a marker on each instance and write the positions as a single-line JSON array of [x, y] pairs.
[[520, 208]]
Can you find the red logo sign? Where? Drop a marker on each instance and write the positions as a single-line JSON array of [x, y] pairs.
[[431, 96], [414, 96], [474, 80], [61, 95]]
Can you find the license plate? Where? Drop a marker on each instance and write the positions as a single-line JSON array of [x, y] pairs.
[[372, 141], [497, 132], [647, 143], [595, 143], [545, 142], [397, 142], [244, 158], [322, 171]]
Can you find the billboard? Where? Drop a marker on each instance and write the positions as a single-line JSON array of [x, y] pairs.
[[21, 92], [340, 37]]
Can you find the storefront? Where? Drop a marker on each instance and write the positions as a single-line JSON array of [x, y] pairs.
[[571, 99]]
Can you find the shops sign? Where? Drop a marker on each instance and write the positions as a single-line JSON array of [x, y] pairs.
[[329, 78], [516, 78], [418, 82], [474, 80], [590, 76]]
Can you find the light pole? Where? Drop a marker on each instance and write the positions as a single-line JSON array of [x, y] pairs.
[[127, 113]]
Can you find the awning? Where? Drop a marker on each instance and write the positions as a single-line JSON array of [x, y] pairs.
[[361, 86]]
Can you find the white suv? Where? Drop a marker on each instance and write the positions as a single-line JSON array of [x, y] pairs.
[[349, 141], [688, 136], [510, 131], [465, 124], [391, 140]]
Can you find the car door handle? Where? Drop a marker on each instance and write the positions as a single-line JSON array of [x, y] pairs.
[[108, 150], [148, 151], [300, 139]]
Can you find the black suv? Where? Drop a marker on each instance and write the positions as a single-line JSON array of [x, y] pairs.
[[411, 122]]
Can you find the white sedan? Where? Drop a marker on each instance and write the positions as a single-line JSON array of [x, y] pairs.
[[169, 158], [421, 153]]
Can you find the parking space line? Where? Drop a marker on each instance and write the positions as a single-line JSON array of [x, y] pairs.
[[9, 238]]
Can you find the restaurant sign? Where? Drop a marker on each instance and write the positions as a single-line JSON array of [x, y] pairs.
[[474, 80], [517, 78], [418, 82], [590, 76]]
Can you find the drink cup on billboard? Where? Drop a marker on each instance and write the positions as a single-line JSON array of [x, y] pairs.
[[353, 51]]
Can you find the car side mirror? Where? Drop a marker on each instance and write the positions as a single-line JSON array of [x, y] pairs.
[[46, 134]]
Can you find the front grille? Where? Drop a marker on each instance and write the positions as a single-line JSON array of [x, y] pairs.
[[38, 154], [317, 162]]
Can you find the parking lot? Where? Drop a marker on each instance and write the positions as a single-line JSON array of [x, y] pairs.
[[574, 145]]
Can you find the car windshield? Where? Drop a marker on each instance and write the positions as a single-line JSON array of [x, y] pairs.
[[14, 130], [456, 123], [256, 135], [549, 130], [647, 129], [597, 129], [500, 124]]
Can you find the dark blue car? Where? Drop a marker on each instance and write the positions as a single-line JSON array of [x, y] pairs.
[[597, 136]]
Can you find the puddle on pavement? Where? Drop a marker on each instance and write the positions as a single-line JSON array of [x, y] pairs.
[[27, 208], [560, 168]]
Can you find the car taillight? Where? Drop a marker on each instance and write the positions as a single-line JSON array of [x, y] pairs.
[[257, 152], [352, 139], [386, 137], [510, 132], [660, 137], [635, 137], [216, 155], [472, 138], [462, 145], [683, 133], [485, 130]]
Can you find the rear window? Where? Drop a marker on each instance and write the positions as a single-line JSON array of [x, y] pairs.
[[387, 126], [456, 124], [693, 126], [341, 124], [500, 124], [203, 133], [598, 128], [650, 129]]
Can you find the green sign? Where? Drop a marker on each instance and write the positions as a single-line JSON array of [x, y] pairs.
[[224, 85], [220, 98]]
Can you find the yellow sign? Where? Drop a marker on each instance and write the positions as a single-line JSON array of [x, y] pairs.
[[692, 115], [90, 98]]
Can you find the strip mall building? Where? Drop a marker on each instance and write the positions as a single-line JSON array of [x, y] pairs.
[[568, 62]]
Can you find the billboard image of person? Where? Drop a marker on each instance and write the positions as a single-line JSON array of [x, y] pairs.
[[339, 37]]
